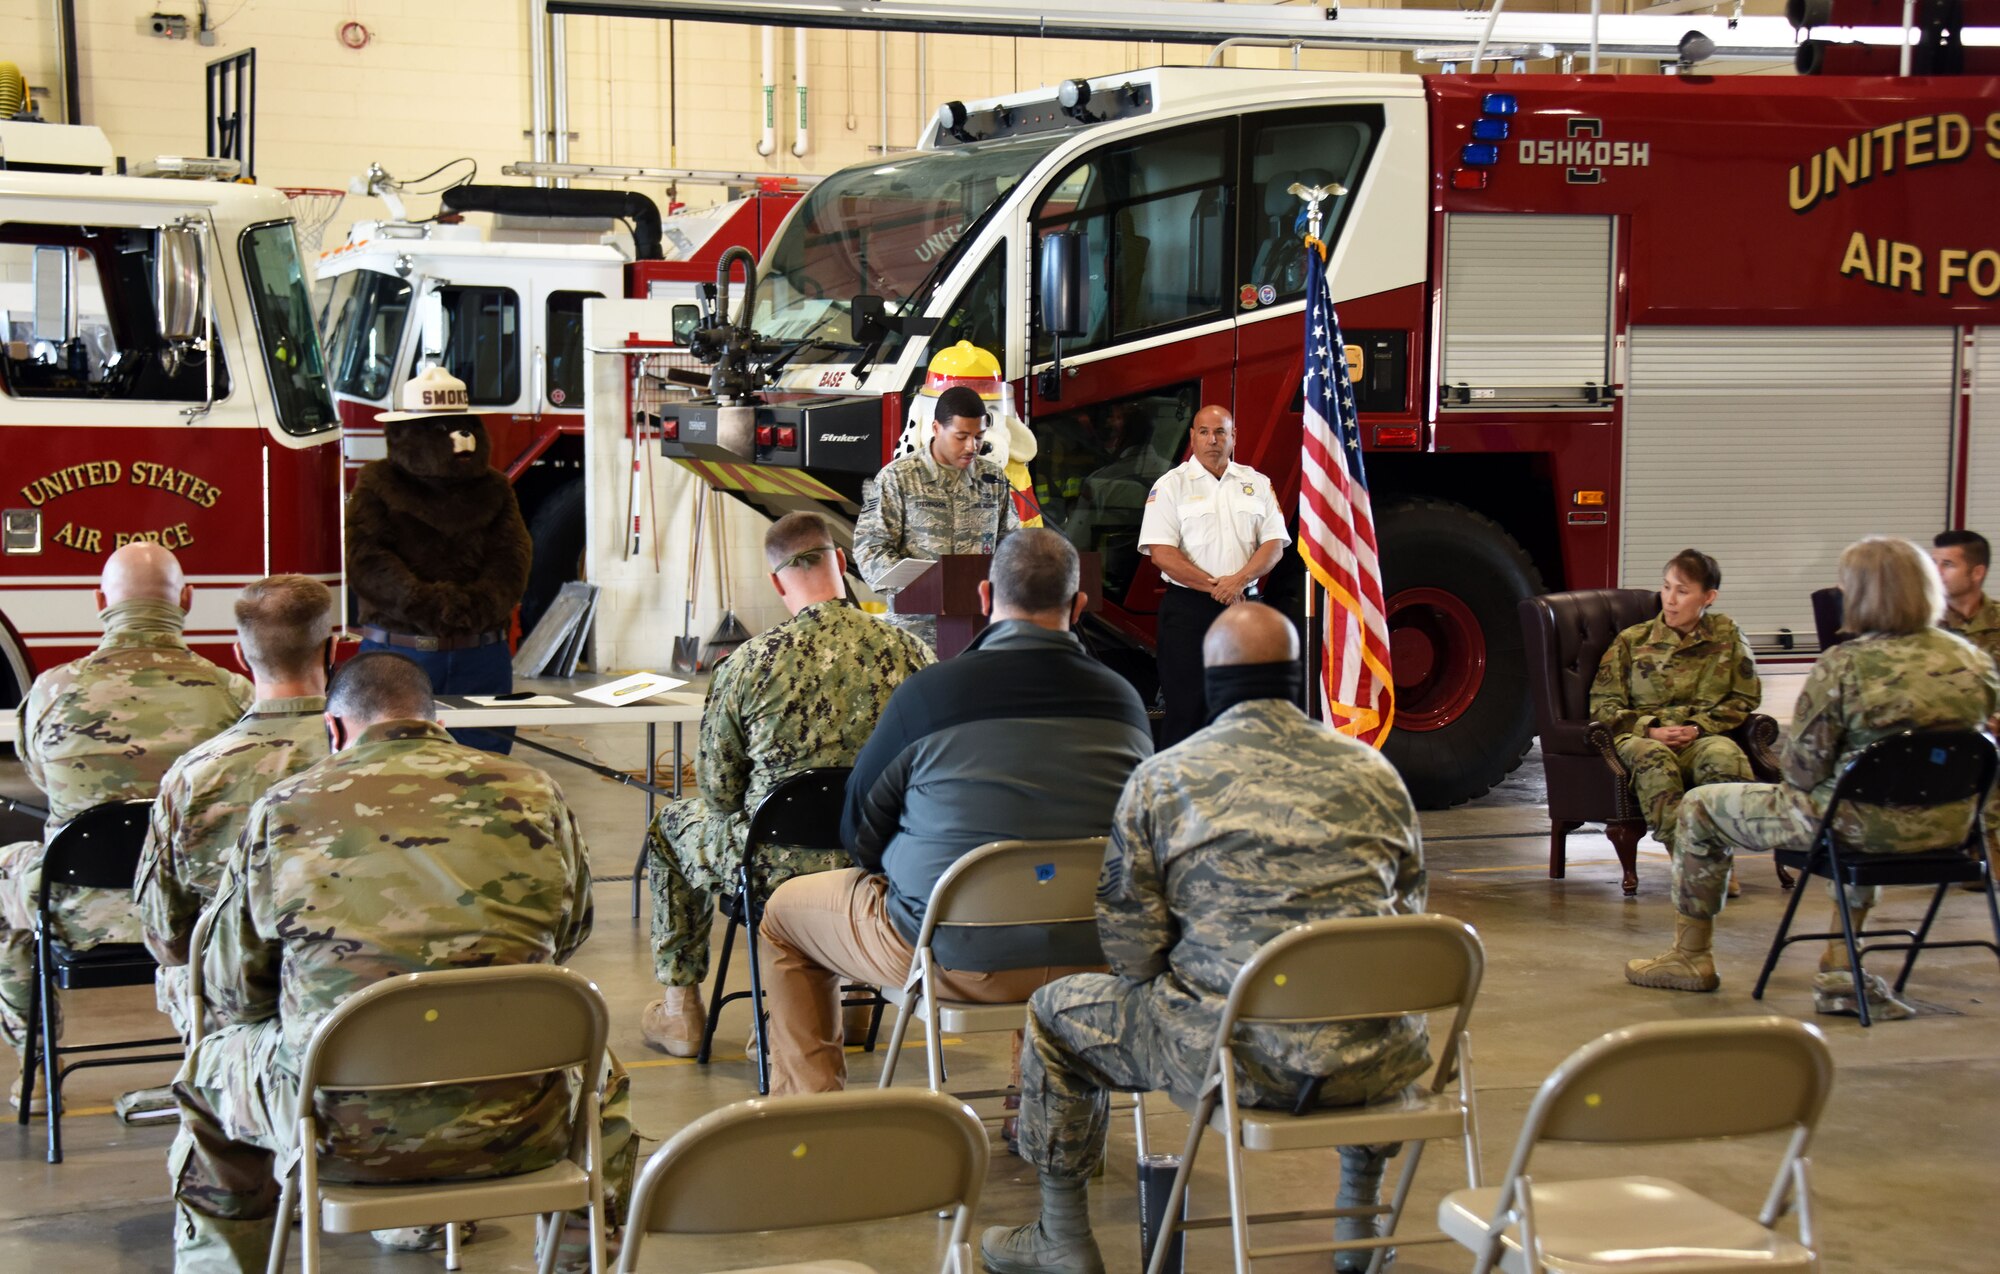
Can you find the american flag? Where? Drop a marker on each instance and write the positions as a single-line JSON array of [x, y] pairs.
[[1337, 529]]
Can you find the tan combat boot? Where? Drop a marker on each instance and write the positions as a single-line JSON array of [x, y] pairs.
[[673, 1023], [1689, 966], [1834, 990]]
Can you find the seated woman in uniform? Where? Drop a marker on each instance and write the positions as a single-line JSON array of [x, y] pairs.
[[1901, 673], [1672, 688]]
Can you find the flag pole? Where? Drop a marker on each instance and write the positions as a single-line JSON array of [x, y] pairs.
[[1315, 643]]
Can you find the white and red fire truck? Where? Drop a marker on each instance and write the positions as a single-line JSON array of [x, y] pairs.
[[160, 380], [500, 306], [1593, 319]]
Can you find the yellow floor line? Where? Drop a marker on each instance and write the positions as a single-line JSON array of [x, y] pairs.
[[650, 1063]]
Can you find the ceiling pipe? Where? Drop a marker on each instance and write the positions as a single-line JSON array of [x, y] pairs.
[[538, 83], [1596, 19], [1486, 33], [559, 89], [767, 142], [802, 126]]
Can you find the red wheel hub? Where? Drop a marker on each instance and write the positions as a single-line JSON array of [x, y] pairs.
[[1439, 657]]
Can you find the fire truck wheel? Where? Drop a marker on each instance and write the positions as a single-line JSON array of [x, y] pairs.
[[557, 532], [1452, 581]]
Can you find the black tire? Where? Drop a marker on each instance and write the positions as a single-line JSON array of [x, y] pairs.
[[557, 531], [1435, 544]]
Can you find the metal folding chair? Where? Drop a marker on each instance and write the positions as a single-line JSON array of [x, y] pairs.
[[1342, 970], [1007, 884], [1657, 1083], [1910, 770], [793, 1163], [803, 812], [98, 849], [453, 1026]]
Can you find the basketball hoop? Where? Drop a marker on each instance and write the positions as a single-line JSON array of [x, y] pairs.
[[312, 208]]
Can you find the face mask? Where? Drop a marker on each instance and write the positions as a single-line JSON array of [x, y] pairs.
[[1239, 683]]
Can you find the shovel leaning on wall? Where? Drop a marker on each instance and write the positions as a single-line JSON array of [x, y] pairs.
[[687, 647]]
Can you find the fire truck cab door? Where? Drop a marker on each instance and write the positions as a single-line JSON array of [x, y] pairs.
[[1187, 232]]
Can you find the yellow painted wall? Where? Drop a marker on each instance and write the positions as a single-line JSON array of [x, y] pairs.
[[444, 78]]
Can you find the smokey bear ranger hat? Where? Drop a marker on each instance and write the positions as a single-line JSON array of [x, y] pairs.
[[432, 392]]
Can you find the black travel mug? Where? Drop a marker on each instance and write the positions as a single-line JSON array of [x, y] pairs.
[[1156, 1182]]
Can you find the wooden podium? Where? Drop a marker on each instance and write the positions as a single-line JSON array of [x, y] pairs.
[[950, 590]]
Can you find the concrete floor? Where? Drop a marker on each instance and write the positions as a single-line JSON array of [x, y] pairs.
[[1904, 1164]]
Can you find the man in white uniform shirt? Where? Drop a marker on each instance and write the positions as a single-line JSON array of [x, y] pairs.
[[1213, 528]]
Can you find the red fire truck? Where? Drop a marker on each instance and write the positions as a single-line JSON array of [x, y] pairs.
[[500, 306], [1593, 319], [161, 382]]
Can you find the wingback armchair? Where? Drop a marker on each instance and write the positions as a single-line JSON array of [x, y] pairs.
[[1567, 635]]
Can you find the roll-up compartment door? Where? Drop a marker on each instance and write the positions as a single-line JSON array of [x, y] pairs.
[[1774, 448], [1527, 310], [1982, 467]]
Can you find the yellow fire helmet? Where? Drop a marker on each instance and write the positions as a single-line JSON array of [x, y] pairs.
[[964, 364]]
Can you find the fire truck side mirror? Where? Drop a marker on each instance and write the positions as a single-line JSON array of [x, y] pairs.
[[1061, 284], [179, 284], [866, 316]]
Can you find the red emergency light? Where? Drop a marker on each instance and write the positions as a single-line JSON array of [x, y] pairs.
[[1469, 179], [788, 437]]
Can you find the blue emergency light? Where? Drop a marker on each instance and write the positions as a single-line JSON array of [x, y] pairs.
[[1480, 154], [1499, 104], [1489, 130]]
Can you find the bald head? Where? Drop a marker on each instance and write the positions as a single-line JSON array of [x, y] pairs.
[[142, 571], [1249, 633], [1212, 438]]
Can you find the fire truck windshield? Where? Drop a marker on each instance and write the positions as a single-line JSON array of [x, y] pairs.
[[283, 306], [364, 329], [881, 229]]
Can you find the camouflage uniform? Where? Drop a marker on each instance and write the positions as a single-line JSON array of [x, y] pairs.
[[1263, 821], [103, 728], [203, 803], [1860, 691], [1652, 676], [918, 508], [803, 694], [401, 853], [1982, 629]]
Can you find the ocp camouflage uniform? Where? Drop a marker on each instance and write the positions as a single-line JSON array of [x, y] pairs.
[[918, 508], [203, 803], [1651, 677], [105, 727], [1860, 691], [1982, 628], [1261, 822], [401, 853], [798, 696]]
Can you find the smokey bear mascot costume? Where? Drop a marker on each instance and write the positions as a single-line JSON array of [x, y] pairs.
[[437, 554]]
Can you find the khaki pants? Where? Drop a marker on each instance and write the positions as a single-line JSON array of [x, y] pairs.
[[831, 927]]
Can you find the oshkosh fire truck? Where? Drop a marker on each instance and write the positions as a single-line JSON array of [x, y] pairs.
[[499, 304], [1592, 320], [159, 380]]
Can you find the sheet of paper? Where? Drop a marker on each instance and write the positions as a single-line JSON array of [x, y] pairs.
[[904, 573], [633, 689], [532, 701]]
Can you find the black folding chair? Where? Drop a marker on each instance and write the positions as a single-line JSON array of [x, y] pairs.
[[98, 849], [803, 812], [1913, 769]]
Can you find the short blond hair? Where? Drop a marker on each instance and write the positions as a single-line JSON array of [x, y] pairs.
[[282, 623], [1889, 586]]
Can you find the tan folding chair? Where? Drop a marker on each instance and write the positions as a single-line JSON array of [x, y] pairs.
[[1039, 883], [1343, 970], [793, 1163], [1657, 1082], [453, 1026]]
